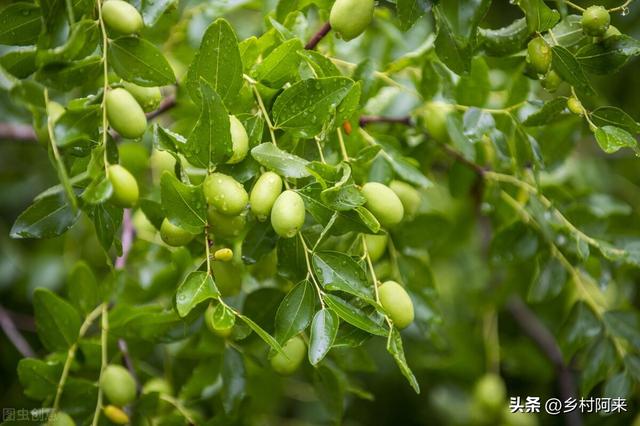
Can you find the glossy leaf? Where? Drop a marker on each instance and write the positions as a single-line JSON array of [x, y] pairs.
[[140, 62], [324, 329], [57, 322], [295, 311], [184, 205], [197, 287]]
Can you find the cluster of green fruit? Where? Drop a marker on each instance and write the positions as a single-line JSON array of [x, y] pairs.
[[489, 405]]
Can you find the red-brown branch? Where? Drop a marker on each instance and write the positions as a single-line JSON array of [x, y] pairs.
[[313, 41]]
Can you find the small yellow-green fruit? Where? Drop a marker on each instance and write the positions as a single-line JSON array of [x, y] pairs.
[[239, 140], [225, 226], [116, 415], [595, 21], [264, 193], [157, 384], [125, 188], [551, 81], [408, 195], [376, 245], [60, 418], [396, 303], [225, 193], [349, 18], [539, 55], [118, 385], [122, 17], [288, 214], [293, 353], [149, 98], [611, 32], [173, 235], [490, 393], [223, 254], [383, 203], [574, 105], [209, 320], [435, 120], [124, 113]]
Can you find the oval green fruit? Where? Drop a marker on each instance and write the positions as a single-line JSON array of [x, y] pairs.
[[490, 393], [122, 17], [125, 188], [376, 245], [264, 193], [408, 195], [595, 21], [149, 98], [288, 214], [60, 418], [294, 351], [435, 120], [125, 114], [396, 303], [225, 226], [383, 203], [349, 18], [118, 385], [221, 330], [225, 194], [551, 81], [116, 415], [157, 384], [239, 140], [539, 55], [173, 235], [574, 105]]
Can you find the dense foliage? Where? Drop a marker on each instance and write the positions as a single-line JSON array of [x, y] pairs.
[[278, 212]]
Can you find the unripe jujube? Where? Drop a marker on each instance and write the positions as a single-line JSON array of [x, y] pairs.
[[288, 214], [125, 188], [225, 193], [157, 384], [118, 385], [539, 55], [408, 195], [174, 235], [376, 245], [396, 303], [595, 21], [293, 353], [116, 415], [221, 330], [435, 120], [383, 203], [349, 18], [574, 105], [225, 226], [125, 114], [122, 17], [149, 98], [551, 81], [264, 193], [60, 418], [490, 393], [239, 140]]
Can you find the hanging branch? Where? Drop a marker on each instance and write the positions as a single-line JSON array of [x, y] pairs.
[[313, 41]]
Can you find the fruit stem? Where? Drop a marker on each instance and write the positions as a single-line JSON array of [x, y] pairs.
[[104, 360], [263, 109], [343, 148], [310, 270], [105, 84], [575, 6], [319, 35], [620, 8]]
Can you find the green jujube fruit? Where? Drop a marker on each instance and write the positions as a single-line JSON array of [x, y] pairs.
[[408, 195], [174, 235], [349, 18], [122, 17], [239, 140], [288, 214], [595, 21], [294, 351], [490, 393], [383, 203], [574, 105], [376, 245], [225, 226], [60, 418], [551, 81], [221, 330], [225, 194], [125, 114], [435, 120], [264, 193], [149, 98], [396, 303], [118, 385], [125, 188], [539, 55]]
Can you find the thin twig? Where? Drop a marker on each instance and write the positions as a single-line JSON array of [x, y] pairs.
[[313, 41], [368, 119], [14, 335], [128, 362]]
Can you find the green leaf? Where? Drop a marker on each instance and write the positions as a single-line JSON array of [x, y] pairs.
[[343, 197], [223, 317], [618, 386], [233, 379], [210, 141], [82, 288], [307, 105], [82, 41], [581, 327], [46, 218], [539, 16], [268, 339], [330, 388], [394, 347], [279, 161], [69, 75], [57, 322], [20, 24], [197, 287], [324, 329], [218, 62], [504, 41], [98, 191], [152, 10], [78, 126], [549, 112], [281, 65], [184, 205], [19, 63], [38, 378], [609, 55], [599, 360], [106, 219], [405, 168], [295, 311], [624, 324], [612, 116], [353, 315], [473, 88], [409, 11], [611, 139], [140, 62], [148, 323], [549, 282], [568, 67], [338, 271], [321, 65], [260, 240]]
